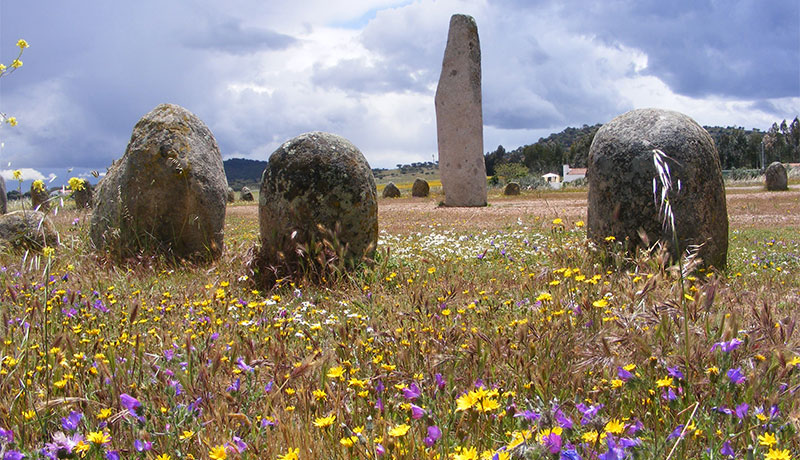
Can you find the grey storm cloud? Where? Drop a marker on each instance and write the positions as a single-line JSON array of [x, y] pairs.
[[231, 37]]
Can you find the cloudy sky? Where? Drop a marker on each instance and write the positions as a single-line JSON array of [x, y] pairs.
[[261, 72]]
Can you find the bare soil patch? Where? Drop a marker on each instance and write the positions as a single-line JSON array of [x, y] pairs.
[[747, 207]]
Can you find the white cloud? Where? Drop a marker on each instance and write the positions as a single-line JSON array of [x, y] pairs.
[[27, 174]]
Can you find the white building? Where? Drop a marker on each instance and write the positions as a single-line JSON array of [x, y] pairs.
[[572, 174]]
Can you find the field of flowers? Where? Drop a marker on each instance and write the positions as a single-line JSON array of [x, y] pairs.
[[520, 341]]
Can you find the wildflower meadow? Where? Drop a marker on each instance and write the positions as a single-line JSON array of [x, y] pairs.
[[515, 338]]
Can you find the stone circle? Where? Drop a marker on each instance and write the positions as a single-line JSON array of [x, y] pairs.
[[27, 230], [83, 197], [245, 194]]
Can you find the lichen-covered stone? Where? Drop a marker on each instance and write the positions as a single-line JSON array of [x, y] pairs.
[[621, 173], [776, 177], [167, 193], [421, 188], [511, 188], [27, 230], [459, 116], [83, 196], [245, 194], [391, 191], [312, 184], [231, 195]]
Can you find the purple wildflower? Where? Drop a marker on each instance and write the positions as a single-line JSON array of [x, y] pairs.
[[552, 442], [169, 353], [727, 450], [176, 385], [669, 394], [412, 392], [239, 445], [379, 386], [675, 372], [112, 455], [736, 376], [728, 346], [235, 385], [417, 412], [588, 412], [130, 403], [570, 454], [434, 433], [439, 381], [623, 374], [379, 404], [268, 386], [243, 365], [676, 432], [142, 446], [380, 450], [61, 446], [529, 415], [71, 422], [741, 410], [13, 455], [563, 421], [6, 435], [614, 452]]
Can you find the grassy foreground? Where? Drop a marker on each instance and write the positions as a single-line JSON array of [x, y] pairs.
[[519, 341]]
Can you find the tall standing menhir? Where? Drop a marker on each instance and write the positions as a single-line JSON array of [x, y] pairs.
[[459, 116]]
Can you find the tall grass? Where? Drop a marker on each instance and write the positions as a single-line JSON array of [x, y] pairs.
[[514, 342]]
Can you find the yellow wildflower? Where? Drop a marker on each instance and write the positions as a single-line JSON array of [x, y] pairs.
[[399, 430], [767, 439], [335, 372], [775, 454], [292, 454], [218, 453], [322, 422], [22, 44], [614, 426], [76, 184], [98, 437]]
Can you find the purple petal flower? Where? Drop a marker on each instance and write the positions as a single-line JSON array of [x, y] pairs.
[[529, 415], [588, 412], [563, 421], [268, 386], [570, 454], [736, 376], [379, 404], [235, 385], [675, 372], [439, 381], [142, 446], [130, 403], [669, 395], [379, 386], [71, 422], [434, 433], [380, 450], [169, 353], [239, 445], [634, 427], [8, 435], [727, 347], [552, 442], [623, 374], [112, 455], [13, 455], [412, 392], [243, 365], [722, 410], [727, 450], [417, 412], [676, 432], [741, 410], [614, 452]]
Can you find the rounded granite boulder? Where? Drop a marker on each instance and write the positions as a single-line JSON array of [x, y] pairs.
[[167, 192], [315, 184], [245, 194], [391, 191], [776, 177], [511, 189], [27, 230], [622, 176], [421, 188]]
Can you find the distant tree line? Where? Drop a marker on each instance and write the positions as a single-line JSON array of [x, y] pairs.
[[738, 148]]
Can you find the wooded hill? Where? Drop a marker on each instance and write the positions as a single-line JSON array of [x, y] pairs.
[[738, 148]]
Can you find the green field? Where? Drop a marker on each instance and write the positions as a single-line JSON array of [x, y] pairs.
[[514, 338]]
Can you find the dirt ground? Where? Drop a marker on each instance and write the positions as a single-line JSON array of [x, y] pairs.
[[747, 207]]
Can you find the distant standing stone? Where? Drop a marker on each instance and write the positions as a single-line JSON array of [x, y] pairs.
[[512, 188], [167, 192], [83, 197], [776, 177], [3, 197], [39, 198], [313, 184], [459, 116], [621, 175], [231, 196], [391, 191], [245, 194], [421, 188]]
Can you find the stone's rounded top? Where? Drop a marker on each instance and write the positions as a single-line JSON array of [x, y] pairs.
[[27, 229], [647, 129], [391, 191], [621, 174], [776, 177]]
